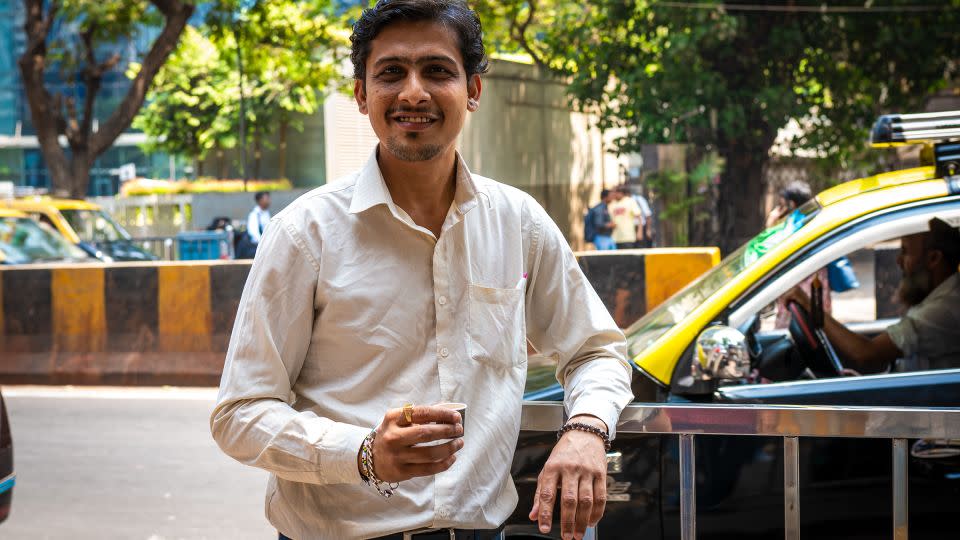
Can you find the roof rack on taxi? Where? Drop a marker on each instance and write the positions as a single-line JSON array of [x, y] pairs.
[[941, 130]]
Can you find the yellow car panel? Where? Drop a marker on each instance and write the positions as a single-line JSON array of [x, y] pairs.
[[50, 208], [841, 205]]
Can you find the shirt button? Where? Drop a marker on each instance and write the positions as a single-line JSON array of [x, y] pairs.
[[444, 352], [442, 300]]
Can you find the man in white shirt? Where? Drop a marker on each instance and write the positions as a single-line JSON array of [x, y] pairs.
[[259, 217], [415, 281]]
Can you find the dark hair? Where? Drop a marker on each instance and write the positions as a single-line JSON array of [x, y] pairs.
[[261, 194], [946, 240], [798, 192], [604, 193], [453, 14]]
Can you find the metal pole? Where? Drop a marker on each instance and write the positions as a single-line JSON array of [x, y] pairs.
[[688, 488], [243, 114], [900, 484], [791, 488]]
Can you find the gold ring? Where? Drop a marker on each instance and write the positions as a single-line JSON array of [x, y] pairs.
[[408, 412]]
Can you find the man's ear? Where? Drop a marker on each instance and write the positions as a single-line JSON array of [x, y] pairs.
[[934, 259], [474, 86], [360, 94]]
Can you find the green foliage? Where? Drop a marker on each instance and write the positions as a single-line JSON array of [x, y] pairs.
[[727, 80], [682, 196], [291, 55]]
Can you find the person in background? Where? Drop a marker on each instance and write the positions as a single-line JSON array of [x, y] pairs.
[[598, 225], [791, 197], [259, 217], [645, 222], [624, 211]]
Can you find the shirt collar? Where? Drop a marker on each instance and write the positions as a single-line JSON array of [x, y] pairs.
[[371, 190]]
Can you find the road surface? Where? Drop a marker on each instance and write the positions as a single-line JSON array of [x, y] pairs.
[[126, 463]]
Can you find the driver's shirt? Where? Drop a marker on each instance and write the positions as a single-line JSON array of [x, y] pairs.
[[351, 309], [928, 334]]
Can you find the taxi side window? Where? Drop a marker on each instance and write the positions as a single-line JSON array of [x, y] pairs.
[[862, 287]]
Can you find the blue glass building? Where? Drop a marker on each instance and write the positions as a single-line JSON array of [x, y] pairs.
[[20, 157]]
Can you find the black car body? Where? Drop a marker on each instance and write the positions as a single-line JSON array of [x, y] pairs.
[[7, 476]]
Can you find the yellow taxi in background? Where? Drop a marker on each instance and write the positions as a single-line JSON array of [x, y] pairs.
[[84, 224], [24, 241]]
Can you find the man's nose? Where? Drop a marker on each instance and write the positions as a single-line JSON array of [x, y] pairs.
[[414, 91]]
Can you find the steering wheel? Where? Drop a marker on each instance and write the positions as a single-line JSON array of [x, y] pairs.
[[813, 345]]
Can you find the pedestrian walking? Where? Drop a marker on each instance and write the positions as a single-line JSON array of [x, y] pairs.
[[625, 214], [410, 283], [597, 225]]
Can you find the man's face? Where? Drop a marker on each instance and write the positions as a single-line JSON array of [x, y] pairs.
[[915, 282], [416, 90], [264, 202]]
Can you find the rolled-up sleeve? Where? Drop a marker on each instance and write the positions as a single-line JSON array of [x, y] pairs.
[[253, 421], [566, 320]]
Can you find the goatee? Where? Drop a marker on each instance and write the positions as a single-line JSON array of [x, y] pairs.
[[407, 152]]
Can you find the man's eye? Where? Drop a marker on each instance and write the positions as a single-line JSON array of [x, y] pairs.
[[439, 70], [392, 70]]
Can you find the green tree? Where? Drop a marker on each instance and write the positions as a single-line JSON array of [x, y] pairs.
[[185, 110], [86, 30], [726, 77], [290, 52]]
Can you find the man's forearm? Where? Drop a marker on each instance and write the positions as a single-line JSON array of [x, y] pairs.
[[856, 351]]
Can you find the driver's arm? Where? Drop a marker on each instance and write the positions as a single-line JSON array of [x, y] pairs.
[[863, 354]]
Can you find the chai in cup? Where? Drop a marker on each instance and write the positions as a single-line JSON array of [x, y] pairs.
[[460, 408]]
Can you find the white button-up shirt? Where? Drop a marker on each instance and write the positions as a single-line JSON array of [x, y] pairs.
[[257, 222], [351, 308]]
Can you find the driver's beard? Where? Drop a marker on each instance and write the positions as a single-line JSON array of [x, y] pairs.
[[914, 287], [412, 152]]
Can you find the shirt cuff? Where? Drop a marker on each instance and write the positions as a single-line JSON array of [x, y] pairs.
[[340, 446], [600, 408]]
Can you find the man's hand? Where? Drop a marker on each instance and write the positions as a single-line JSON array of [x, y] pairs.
[[578, 468], [395, 456], [797, 295]]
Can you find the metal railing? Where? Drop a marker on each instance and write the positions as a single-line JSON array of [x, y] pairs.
[[788, 422]]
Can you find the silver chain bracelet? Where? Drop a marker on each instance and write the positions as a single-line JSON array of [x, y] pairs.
[[366, 468]]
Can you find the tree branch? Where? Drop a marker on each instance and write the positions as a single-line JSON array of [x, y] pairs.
[[177, 13], [519, 33]]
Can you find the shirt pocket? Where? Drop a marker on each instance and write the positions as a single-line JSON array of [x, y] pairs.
[[495, 332]]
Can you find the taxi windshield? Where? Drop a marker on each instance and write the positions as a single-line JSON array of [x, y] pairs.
[[661, 319], [23, 240], [95, 226]]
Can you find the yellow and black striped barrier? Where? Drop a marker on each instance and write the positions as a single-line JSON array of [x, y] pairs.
[[170, 322]]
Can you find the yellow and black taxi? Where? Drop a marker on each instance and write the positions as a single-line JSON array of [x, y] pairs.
[[84, 224], [739, 485], [24, 240]]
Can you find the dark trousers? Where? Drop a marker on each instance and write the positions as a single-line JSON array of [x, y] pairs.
[[626, 245]]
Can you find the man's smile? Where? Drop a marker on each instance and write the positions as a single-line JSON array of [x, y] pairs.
[[414, 120]]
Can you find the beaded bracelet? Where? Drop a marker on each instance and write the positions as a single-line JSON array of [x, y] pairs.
[[580, 426], [366, 468]]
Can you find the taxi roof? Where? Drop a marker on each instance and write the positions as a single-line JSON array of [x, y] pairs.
[[877, 182], [39, 202], [10, 212]]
